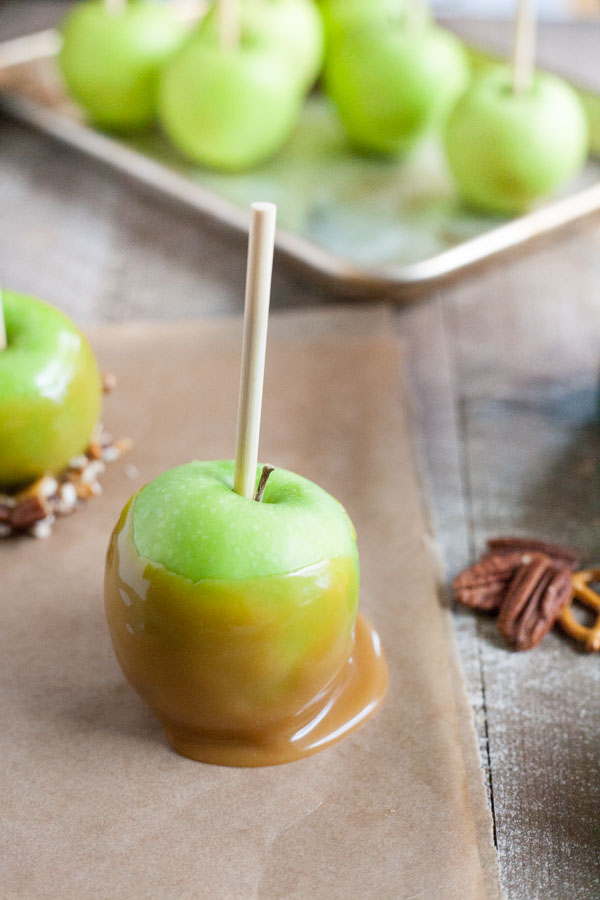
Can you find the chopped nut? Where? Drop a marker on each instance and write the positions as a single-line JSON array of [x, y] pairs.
[[66, 499], [43, 487], [92, 470], [29, 511], [94, 450], [78, 463], [109, 382], [42, 529]]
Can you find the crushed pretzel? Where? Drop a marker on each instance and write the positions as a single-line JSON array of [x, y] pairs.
[[34, 509]]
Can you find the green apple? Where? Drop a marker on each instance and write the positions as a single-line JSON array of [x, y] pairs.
[[343, 16], [393, 84], [293, 27], [50, 391], [111, 60], [505, 149], [231, 617], [228, 109]]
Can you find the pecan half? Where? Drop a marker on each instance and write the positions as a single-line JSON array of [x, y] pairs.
[[29, 511], [484, 584], [534, 600], [564, 556]]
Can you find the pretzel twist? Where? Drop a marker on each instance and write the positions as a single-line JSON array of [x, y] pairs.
[[588, 635]]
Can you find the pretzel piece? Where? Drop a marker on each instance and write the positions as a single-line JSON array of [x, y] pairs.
[[590, 636]]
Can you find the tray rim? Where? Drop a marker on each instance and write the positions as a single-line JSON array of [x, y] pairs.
[[402, 280]]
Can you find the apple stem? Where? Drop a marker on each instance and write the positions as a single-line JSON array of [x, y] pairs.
[[3, 341], [261, 246], [263, 482], [229, 24], [115, 6], [523, 62]]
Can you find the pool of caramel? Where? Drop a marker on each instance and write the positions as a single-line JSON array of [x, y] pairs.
[[254, 672]]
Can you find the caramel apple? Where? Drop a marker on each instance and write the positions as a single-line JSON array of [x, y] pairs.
[[231, 592], [50, 391]]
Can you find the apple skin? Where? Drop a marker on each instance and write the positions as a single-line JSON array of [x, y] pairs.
[[292, 27], [243, 613], [50, 391], [111, 61], [343, 16], [506, 150], [391, 85], [229, 110]]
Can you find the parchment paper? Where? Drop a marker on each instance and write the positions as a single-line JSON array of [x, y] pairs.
[[95, 804]]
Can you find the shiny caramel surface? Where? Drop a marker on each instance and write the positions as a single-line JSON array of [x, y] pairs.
[[257, 671]]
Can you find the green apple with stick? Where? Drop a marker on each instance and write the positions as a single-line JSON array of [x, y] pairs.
[[292, 27], [227, 100], [516, 135], [393, 83], [231, 590], [50, 390], [112, 55]]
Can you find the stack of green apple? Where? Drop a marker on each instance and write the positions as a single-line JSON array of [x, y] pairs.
[[50, 392], [231, 108]]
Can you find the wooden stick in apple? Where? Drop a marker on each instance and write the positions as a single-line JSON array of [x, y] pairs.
[[2, 325], [416, 13], [261, 245], [523, 62], [229, 24], [115, 6]]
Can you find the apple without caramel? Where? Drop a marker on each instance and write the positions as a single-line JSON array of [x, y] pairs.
[[507, 149], [234, 619], [111, 60]]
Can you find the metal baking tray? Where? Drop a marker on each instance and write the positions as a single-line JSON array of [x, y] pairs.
[[366, 226]]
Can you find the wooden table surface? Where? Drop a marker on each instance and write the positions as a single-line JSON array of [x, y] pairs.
[[503, 367]]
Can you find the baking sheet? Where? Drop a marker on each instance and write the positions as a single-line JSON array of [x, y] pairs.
[[95, 804], [372, 226]]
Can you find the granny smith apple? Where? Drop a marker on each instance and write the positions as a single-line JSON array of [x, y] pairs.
[[343, 16], [292, 27], [506, 149], [111, 60], [393, 84], [228, 109], [50, 391], [232, 618]]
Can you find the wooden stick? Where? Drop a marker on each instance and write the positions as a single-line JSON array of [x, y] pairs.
[[523, 61], [229, 24], [416, 13], [261, 245], [115, 6], [3, 341]]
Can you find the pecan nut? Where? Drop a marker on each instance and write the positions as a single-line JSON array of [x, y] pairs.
[[484, 584], [563, 556], [29, 511], [536, 595]]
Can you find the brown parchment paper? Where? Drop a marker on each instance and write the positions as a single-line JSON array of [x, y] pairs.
[[95, 806]]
